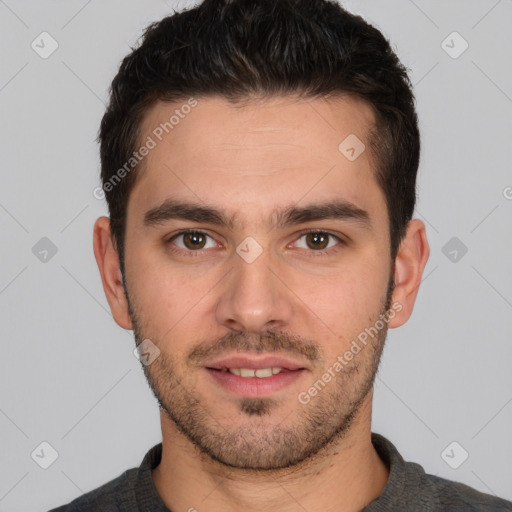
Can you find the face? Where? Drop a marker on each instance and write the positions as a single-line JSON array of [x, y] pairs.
[[256, 254]]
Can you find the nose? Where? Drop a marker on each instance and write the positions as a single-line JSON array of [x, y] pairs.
[[254, 297]]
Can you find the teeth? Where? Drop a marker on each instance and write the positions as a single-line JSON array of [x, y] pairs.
[[260, 372], [263, 372]]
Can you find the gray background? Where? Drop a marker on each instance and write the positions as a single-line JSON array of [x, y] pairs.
[[68, 374]]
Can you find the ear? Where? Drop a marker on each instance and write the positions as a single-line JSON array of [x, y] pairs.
[[107, 259], [410, 262]]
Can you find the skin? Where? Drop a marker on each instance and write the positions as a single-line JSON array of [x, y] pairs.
[[223, 451]]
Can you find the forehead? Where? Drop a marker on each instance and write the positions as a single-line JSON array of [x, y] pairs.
[[257, 154], [316, 126]]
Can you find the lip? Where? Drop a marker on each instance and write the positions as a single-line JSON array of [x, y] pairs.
[[254, 387], [255, 363]]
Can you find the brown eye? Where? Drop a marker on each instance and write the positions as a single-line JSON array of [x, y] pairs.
[[193, 241], [317, 240]]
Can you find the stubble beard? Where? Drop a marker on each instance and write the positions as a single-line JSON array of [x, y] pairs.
[[261, 444]]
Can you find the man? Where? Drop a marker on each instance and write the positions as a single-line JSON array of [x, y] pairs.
[[259, 162]]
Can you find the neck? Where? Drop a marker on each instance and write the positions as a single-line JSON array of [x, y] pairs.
[[345, 477]]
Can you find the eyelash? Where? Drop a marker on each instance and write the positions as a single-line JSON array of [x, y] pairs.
[[199, 252]]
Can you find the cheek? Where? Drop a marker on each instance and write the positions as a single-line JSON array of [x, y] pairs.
[[150, 288], [349, 302], [168, 301], [360, 288]]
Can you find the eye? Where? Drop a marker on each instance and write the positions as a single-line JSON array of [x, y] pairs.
[[318, 241], [192, 240]]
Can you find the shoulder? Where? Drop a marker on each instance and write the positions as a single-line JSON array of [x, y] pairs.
[[125, 493], [109, 497], [456, 496], [409, 487]]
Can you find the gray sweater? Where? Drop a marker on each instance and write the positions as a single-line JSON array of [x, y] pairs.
[[409, 489]]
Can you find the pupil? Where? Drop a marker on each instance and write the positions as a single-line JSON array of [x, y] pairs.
[[195, 240], [318, 240]]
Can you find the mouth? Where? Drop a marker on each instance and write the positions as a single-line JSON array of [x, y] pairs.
[[247, 373], [255, 377]]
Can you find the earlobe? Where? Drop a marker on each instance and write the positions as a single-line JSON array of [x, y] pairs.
[[410, 262], [107, 259]]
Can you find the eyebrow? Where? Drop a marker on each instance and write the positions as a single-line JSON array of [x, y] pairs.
[[288, 216]]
